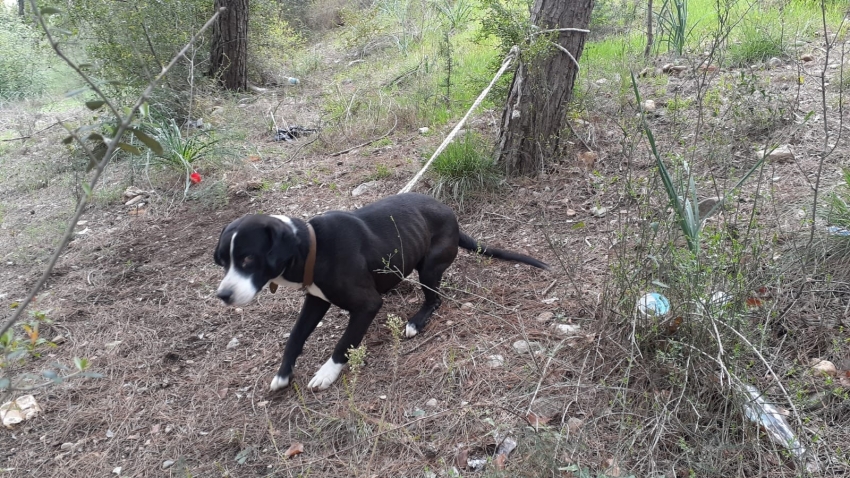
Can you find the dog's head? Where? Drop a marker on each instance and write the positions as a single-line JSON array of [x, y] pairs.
[[253, 250]]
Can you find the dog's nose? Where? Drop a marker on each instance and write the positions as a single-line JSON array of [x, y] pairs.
[[225, 295]]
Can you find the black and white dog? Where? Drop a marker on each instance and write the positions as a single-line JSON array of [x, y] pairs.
[[347, 259]]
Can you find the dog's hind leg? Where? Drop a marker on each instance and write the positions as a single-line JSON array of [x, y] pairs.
[[368, 305], [431, 271], [312, 312]]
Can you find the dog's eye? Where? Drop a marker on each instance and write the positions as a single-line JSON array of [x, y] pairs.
[[247, 261]]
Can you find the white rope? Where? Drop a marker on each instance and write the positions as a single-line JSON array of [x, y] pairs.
[[511, 55]]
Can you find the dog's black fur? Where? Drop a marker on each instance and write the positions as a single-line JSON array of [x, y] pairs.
[[360, 255]]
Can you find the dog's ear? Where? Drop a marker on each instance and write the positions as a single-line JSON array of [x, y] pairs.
[[223, 246], [284, 246]]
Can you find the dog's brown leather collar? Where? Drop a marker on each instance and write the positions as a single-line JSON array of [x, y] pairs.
[[311, 259], [309, 265]]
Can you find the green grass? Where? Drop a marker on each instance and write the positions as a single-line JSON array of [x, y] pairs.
[[465, 167]]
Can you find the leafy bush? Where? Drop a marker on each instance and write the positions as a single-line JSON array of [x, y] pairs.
[[271, 40], [23, 61]]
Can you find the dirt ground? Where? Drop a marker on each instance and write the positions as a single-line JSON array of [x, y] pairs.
[[185, 387]]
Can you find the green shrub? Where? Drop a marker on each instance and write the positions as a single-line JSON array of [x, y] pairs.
[[756, 45], [465, 167], [24, 59]]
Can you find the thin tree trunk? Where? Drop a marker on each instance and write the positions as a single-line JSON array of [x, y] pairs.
[[541, 90], [229, 49], [21, 7], [649, 22]]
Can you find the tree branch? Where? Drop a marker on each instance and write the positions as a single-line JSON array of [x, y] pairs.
[[112, 144]]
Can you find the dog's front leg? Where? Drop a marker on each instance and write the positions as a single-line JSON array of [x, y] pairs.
[[311, 314], [358, 324]]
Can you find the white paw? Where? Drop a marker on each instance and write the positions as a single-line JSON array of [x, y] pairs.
[[326, 375], [279, 382], [410, 331]]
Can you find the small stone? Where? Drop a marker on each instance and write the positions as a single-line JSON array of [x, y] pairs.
[[574, 424], [495, 361], [113, 344], [424, 130], [781, 154], [774, 62], [133, 191], [168, 429], [134, 201], [823, 367], [254, 185], [523, 346], [364, 188], [467, 306], [58, 339], [110, 433], [545, 316], [432, 403], [382, 397], [602, 81], [67, 446], [116, 470], [807, 57], [571, 212], [649, 105], [599, 211], [706, 205], [167, 464], [567, 329], [234, 342]]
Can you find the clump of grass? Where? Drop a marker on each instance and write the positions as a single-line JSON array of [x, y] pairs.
[[756, 45], [464, 168], [182, 152]]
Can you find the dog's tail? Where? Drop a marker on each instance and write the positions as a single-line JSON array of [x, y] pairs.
[[472, 245]]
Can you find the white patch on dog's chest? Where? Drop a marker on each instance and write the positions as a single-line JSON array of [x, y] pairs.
[[312, 290]]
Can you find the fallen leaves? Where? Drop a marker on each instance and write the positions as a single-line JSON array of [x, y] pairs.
[[296, 448]]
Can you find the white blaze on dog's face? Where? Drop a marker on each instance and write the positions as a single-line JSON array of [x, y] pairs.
[[253, 250], [237, 282]]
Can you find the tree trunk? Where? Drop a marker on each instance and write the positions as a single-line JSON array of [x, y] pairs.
[[534, 113], [21, 7], [229, 50]]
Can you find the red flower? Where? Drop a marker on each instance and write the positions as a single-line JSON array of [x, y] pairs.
[[195, 178]]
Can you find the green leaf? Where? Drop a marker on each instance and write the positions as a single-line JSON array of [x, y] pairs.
[[95, 104], [144, 110], [5, 383], [50, 10], [91, 375], [243, 455], [86, 189], [76, 92], [83, 66], [129, 148], [68, 140], [16, 355], [51, 375], [148, 141], [81, 363]]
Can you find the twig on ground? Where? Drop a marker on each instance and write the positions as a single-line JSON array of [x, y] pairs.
[[367, 143]]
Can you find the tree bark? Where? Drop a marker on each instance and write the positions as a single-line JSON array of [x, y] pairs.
[[542, 88], [229, 49], [21, 7]]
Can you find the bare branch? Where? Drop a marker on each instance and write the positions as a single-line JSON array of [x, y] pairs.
[[112, 144]]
